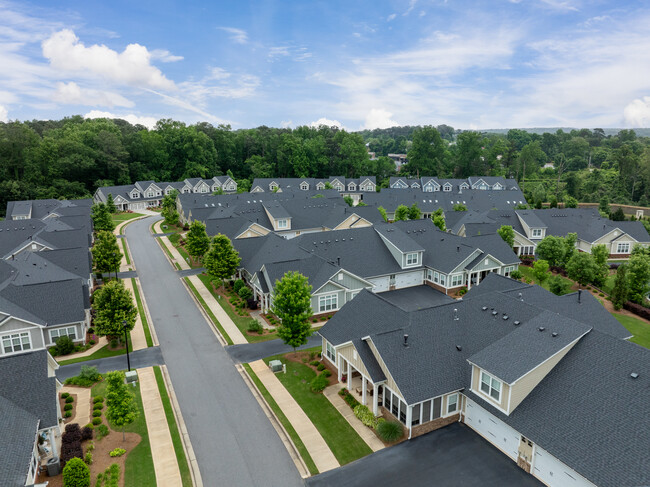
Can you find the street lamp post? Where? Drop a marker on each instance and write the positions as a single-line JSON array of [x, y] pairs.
[[126, 341], [116, 267]]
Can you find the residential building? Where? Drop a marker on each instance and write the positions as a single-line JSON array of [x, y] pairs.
[[399, 160], [351, 186], [430, 184]]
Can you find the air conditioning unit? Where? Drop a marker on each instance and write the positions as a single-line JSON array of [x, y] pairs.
[[276, 365], [53, 467]]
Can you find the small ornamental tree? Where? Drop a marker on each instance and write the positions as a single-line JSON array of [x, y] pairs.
[[621, 289], [540, 271], [601, 254], [292, 304], [507, 234], [222, 260], [106, 252], [552, 250], [382, 212], [110, 204], [582, 268], [617, 215], [121, 408], [169, 212], [603, 206], [197, 240], [570, 202], [460, 207], [638, 277], [414, 212], [101, 218], [113, 304], [348, 200], [402, 213], [438, 218], [76, 473]]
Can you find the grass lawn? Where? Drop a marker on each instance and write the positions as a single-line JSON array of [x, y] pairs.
[[345, 443], [143, 315], [527, 272], [122, 217], [208, 311], [139, 470], [241, 321], [640, 329], [126, 253], [101, 353], [175, 239], [285, 422], [173, 428]]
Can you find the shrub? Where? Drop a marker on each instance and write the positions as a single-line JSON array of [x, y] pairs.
[[65, 395], [238, 285], [68, 407], [71, 434], [558, 286], [366, 416], [245, 293], [320, 367], [323, 318], [97, 421], [390, 431], [118, 452], [70, 451], [97, 414], [114, 343], [90, 373], [64, 345], [88, 459], [516, 275], [319, 383], [255, 327], [86, 433], [98, 406], [601, 295], [91, 341], [462, 291], [98, 399], [67, 414], [327, 373], [76, 473], [637, 309], [350, 399], [314, 363], [102, 430], [90, 446], [90, 425], [69, 400]]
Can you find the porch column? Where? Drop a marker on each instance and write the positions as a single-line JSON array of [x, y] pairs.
[[375, 399], [363, 389], [409, 416], [349, 377], [469, 281], [339, 367]]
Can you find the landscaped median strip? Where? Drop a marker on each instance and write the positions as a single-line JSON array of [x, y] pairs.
[[206, 309], [143, 313], [321, 454], [173, 252], [138, 336]]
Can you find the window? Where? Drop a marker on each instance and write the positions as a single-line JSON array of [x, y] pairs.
[[537, 232], [415, 415], [491, 386], [60, 332], [282, 223], [135, 195], [16, 342], [429, 275], [456, 280], [446, 187], [352, 187], [273, 186], [412, 258], [623, 248], [204, 189], [443, 278], [149, 194], [330, 352], [304, 186], [328, 303], [452, 403], [508, 269]]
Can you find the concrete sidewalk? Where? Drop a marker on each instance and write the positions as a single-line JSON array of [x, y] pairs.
[[124, 249], [162, 449], [366, 434], [176, 256], [138, 338], [82, 407], [225, 321], [312, 439]]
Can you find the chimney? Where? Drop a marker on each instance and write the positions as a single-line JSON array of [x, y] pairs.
[[579, 295], [406, 340]]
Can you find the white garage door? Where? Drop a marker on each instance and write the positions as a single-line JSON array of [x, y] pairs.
[[380, 284], [409, 279], [554, 473], [492, 429]]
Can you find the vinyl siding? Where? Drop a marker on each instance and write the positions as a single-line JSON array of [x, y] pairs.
[[314, 301], [490, 265], [476, 387], [390, 382], [350, 282], [14, 324], [395, 252], [347, 352]]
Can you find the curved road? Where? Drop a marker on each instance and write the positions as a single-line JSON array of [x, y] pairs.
[[234, 443]]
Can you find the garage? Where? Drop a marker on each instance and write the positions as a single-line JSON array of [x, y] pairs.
[[380, 284], [409, 279], [492, 429], [553, 472]]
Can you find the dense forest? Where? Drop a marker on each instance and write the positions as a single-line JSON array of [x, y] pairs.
[[70, 158]]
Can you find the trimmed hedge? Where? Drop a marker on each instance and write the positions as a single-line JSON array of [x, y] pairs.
[[319, 383], [86, 433], [637, 309], [97, 421], [76, 473]]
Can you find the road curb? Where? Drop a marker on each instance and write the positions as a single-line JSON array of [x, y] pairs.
[[152, 329], [197, 481], [164, 250], [213, 327], [276, 423]]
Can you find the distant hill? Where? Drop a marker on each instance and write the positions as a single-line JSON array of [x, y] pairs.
[[641, 132]]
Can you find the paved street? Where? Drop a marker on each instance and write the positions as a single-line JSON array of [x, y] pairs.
[[451, 456], [251, 352], [234, 442], [140, 358]]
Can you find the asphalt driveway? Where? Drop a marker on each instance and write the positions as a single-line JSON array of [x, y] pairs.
[[448, 457]]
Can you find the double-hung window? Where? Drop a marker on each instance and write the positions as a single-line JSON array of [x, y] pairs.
[[16, 342], [282, 223], [537, 232], [412, 258], [491, 386], [304, 186], [330, 352], [623, 248], [456, 280], [328, 303], [69, 331], [452, 403]]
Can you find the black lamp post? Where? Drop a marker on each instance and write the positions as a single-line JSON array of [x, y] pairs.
[[117, 266], [126, 341]]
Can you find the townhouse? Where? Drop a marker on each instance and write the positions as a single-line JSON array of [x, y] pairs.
[[550, 381], [430, 184], [147, 194], [531, 226], [344, 185]]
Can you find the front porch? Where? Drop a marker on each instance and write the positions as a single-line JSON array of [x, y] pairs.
[[367, 392]]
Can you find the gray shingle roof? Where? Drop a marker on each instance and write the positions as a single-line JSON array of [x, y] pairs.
[[400, 239], [19, 428], [417, 297]]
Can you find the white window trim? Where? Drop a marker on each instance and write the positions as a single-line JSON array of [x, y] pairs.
[[456, 280], [328, 345], [11, 337], [66, 329], [304, 186], [536, 232], [283, 223], [447, 412], [322, 302], [489, 393], [411, 264], [618, 247]]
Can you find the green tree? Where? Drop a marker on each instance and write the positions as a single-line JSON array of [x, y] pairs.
[[110, 204], [552, 250], [348, 200], [222, 260], [603, 206], [582, 268], [621, 289], [113, 304], [414, 212], [402, 213], [382, 212], [427, 154], [292, 304], [557, 285], [460, 207], [438, 218], [570, 202], [601, 254], [197, 240], [106, 253], [638, 271], [539, 196], [169, 212], [617, 215], [121, 409], [507, 234], [76, 473], [569, 247], [101, 218], [540, 270]]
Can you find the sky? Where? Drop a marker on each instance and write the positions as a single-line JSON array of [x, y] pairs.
[[359, 64]]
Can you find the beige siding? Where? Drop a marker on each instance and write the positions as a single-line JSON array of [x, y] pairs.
[[524, 386], [476, 387], [390, 382], [348, 353], [584, 246], [14, 324]]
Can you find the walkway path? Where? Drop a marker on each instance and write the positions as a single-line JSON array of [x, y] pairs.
[[162, 448], [233, 332], [101, 342], [82, 408], [138, 338], [332, 393], [312, 439], [234, 443], [175, 254]]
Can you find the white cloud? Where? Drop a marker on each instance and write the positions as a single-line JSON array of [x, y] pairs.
[[4, 114], [278, 51], [410, 7], [71, 94], [177, 102], [165, 56], [637, 113], [238, 36], [220, 84], [560, 5], [132, 66], [148, 122], [391, 17], [378, 118], [286, 124], [327, 122]]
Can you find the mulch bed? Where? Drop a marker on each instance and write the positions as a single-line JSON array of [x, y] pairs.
[[62, 403], [304, 359]]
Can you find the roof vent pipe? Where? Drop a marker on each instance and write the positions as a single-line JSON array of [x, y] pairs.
[[521, 297], [458, 249], [406, 340], [455, 314], [579, 295], [338, 261]]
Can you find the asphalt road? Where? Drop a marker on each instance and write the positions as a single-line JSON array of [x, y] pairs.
[[249, 352], [451, 456], [141, 358], [234, 442]]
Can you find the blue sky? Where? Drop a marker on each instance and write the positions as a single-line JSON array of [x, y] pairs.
[[357, 64]]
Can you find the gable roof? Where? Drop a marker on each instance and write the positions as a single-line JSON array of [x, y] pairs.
[[19, 428]]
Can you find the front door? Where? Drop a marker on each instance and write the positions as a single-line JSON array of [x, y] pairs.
[[525, 453]]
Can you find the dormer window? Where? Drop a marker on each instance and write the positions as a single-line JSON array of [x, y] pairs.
[[135, 195], [273, 186], [204, 189], [491, 386], [352, 187], [304, 186], [412, 258], [320, 186], [150, 194], [283, 223], [536, 232], [338, 187], [168, 191], [446, 187]]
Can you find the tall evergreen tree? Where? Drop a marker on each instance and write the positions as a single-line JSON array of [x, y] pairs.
[[101, 218], [621, 289]]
